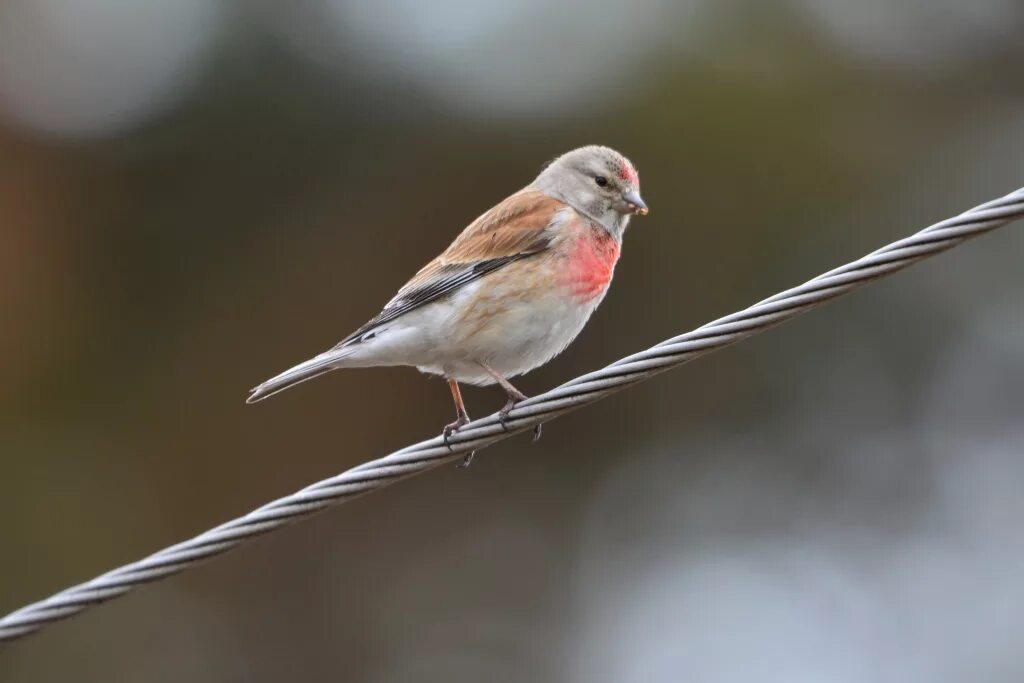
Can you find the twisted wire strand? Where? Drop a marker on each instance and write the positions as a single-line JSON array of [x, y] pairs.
[[478, 434]]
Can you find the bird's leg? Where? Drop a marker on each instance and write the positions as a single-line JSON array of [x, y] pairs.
[[514, 397], [461, 420], [461, 416]]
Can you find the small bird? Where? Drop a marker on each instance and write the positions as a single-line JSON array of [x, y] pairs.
[[510, 293]]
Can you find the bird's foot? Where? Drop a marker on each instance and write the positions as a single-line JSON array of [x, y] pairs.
[[507, 408], [450, 429], [453, 427]]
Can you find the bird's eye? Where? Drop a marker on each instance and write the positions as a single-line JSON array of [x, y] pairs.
[[601, 181]]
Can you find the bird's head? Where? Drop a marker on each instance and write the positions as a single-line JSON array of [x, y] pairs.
[[598, 182]]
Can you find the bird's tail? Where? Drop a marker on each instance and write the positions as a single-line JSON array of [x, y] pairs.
[[314, 367]]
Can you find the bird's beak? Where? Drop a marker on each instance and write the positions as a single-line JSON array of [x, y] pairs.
[[635, 203]]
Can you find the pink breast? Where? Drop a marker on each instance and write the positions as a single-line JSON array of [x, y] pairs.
[[591, 262]]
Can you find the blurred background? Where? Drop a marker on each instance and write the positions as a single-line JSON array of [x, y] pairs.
[[197, 194]]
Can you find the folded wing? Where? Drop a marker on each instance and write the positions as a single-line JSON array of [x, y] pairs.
[[514, 229]]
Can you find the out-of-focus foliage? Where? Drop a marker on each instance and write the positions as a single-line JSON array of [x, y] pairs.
[[197, 194]]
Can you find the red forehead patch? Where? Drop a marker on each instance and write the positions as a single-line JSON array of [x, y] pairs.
[[628, 173]]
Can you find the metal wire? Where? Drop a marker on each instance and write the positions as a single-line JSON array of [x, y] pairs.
[[480, 433]]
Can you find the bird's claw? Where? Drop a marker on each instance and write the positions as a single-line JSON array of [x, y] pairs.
[[450, 429], [453, 427], [503, 417]]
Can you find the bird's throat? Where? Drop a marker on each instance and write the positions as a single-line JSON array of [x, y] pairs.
[[591, 263]]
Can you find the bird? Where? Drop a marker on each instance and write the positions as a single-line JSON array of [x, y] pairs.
[[511, 292]]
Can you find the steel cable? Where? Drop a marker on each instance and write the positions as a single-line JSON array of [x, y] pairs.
[[478, 434]]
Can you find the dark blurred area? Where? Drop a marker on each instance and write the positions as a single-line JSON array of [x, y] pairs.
[[195, 195]]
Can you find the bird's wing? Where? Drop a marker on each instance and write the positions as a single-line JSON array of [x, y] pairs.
[[513, 229]]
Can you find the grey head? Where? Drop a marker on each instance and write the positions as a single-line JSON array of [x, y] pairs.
[[598, 182]]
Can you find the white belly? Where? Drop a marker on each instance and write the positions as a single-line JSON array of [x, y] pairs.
[[521, 337], [510, 332]]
